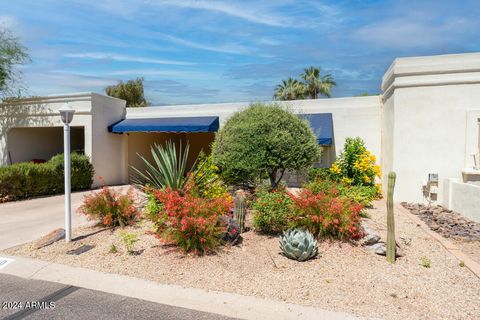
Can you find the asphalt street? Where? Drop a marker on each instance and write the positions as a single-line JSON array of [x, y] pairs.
[[33, 299]]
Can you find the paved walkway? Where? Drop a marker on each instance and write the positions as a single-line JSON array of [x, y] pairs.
[[59, 301], [27, 220]]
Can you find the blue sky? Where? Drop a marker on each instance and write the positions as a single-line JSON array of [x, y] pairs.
[[225, 51]]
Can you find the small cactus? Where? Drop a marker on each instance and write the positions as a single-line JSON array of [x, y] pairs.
[[391, 244], [240, 209], [298, 245]]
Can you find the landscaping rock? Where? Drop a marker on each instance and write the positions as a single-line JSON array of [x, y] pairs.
[[50, 238], [378, 248], [381, 249], [370, 239], [370, 236], [446, 222]]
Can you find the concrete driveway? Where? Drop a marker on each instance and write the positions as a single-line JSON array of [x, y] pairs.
[[27, 220]]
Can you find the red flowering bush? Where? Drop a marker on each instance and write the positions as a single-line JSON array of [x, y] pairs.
[[326, 215], [191, 222], [109, 207]]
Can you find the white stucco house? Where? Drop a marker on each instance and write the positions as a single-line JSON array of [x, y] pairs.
[[426, 121]]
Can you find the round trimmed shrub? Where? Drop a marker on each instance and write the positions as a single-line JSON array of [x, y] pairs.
[[81, 169], [263, 141]]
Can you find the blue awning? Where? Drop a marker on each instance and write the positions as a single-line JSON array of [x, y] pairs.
[[322, 126], [184, 124]]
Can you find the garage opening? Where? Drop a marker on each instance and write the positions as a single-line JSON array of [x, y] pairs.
[[40, 144]]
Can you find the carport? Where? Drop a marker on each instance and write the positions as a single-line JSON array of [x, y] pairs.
[[198, 132], [40, 143]]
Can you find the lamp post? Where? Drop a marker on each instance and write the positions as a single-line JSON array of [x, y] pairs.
[[66, 113]]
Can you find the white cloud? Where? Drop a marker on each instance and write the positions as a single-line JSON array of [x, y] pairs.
[[41, 83], [118, 57], [247, 12], [225, 48], [164, 73]]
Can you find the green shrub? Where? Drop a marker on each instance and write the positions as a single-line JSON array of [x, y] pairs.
[[326, 186], [271, 212], [27, 179], [129, 240], [153, 206], [263, 141], [81, 170], [425, 262], [318, 173], [24, 180], [12, 180], [361, 194]]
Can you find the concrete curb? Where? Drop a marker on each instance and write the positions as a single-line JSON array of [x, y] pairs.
[[453, 249], [227, 304]]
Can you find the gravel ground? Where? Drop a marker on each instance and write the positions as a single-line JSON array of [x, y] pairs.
[[345, 277]]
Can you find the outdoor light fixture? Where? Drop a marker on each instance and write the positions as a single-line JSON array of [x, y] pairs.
[[66, 113]]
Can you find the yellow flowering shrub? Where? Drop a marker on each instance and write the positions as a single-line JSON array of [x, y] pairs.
[[356, 166]]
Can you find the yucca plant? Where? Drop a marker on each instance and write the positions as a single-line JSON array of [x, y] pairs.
[[298, 245], [168, 169]]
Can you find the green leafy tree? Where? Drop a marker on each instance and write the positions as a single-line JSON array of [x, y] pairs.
[[263, 140], [316, 84], [290, 89], [130, 91], [12, 53]]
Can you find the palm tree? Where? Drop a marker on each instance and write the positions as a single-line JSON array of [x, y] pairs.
[[290, 89], [316, 84]]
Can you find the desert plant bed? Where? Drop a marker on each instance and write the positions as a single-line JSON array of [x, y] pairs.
[[427, 283]]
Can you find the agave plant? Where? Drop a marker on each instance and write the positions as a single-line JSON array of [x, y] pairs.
[[298, 244]]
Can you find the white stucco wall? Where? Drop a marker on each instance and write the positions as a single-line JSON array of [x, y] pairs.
[[463, 198], [109, 151], [387, 134], [429, 100]]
